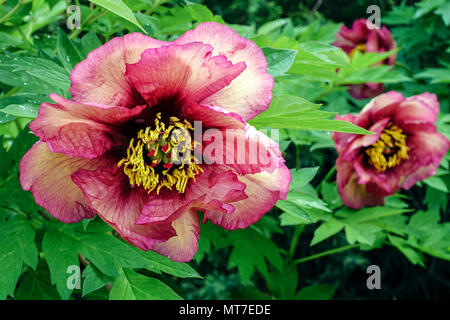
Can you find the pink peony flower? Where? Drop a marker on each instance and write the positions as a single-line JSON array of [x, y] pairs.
[[110, 152], [405, 149], [361, 38]]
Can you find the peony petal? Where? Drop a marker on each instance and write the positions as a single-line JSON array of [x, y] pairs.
[[263, 190], [342, 139], [351, 151], [353, 194], [214, 189], [187, 71], [427, 147], [228, 140], [184, 245], [251, 92], [419, 174], [100, 78], [108, 191], [48, 176], [380, 107], [81, 130], [414, 110], [366, 90]]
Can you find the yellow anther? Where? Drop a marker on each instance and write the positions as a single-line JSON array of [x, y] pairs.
[[389, 150], [148, 168]]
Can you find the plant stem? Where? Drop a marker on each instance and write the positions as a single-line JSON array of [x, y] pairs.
[[297, 233], [327, 177], [153, 8], [297, 156], [9, 14], [325, 253]]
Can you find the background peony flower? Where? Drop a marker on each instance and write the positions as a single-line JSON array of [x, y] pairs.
[[107, 152], [405, 149], [361, 38]]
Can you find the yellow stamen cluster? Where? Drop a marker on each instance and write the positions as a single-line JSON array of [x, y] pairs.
[[359, 48], [389, 149], [153, 159]]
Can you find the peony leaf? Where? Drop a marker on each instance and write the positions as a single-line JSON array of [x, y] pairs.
[[119, 8], [134, 286], [279, 60], [17, 248]]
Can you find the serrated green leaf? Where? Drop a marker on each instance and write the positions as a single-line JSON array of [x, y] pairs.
[[134, 286], [326, 230], [17, 248], [279, 60], [250, 251], [93, 279]]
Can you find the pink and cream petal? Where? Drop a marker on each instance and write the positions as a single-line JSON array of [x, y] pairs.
[[108, 191], [100, 78], [251, 92], [48, 176], [214, 189], [353, 194], [187, 71], [81, 130], [184, 245], [263, 190], [414, 110]]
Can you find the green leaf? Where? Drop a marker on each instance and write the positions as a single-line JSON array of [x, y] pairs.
[[436, 183], [444, 11], [134, 286], [302, 177], [89, 42], [119, 8], [158, 263], [67, 52], [413, 255], [292, 214], [250, 251], [291, 112], [437, 75], [361, 232], [426, 6], [35, 285], [200, 13], [62, 243], [60, 253], [17, 248], [93, 279], [326, 230], [316, 292], [279, 60]]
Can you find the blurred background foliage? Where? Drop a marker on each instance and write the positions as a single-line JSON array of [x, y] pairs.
[[307, 247]]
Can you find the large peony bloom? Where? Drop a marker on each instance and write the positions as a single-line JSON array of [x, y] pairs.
[[110, 151], [405, 149], [361, 38]]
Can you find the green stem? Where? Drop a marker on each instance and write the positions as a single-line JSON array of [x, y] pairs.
[[296, 236], [9, 14], [153, 8], [297, 156], [327, 177], [325, 253], [90, 19]]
